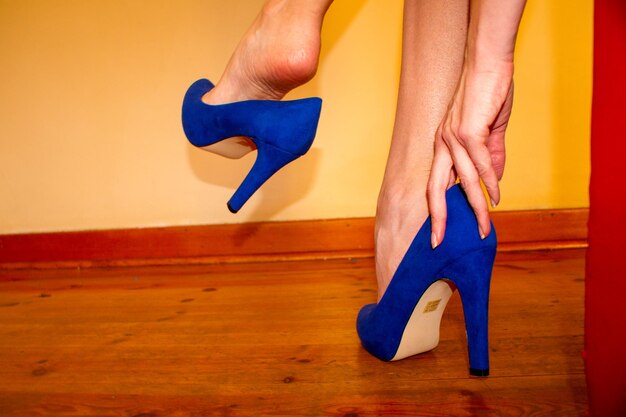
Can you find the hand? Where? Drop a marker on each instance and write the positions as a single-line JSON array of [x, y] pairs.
[[470, 143]]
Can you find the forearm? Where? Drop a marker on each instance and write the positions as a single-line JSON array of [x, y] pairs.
[[492, 32]]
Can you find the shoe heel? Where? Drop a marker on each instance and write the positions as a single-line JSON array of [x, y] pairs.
[[472, 276], [268, 161]]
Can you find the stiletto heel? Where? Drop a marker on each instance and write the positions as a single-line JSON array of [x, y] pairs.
[[474, 294], [269, 160], [281, 130], [406, 320]]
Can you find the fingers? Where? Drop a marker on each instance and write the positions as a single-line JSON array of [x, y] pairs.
[[483, 165], [470, 141], [438, 183], [495, 145], [471, 159], [470, 181], [452, 159], [467, 170]]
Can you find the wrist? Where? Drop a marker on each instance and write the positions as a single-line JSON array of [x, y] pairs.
[[486, 60]]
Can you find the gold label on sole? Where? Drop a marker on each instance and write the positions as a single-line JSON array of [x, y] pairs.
[[431, 306]]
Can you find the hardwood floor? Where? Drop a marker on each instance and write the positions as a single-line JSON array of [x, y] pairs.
[[278, 339]]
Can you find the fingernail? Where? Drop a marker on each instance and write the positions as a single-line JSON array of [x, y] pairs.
[[493, 203], [433, 240], [482, 235]]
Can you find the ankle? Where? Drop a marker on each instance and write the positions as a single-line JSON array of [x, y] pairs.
[[401, 209], [398, 192]]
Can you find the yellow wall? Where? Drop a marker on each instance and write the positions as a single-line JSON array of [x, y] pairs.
[[90, 94]]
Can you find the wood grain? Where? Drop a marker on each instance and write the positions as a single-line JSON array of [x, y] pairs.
[[258, 242], [278, 339]]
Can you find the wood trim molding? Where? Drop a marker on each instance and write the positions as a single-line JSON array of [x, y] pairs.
[[308, 239]]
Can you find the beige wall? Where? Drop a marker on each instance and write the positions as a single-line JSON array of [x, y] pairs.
[[90, 95]]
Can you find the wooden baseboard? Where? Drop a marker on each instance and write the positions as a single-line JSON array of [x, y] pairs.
[[309, 239]]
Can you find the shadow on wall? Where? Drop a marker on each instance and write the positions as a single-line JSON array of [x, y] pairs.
[[287, 186]]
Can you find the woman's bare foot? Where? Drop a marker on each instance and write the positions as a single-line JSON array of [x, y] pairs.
[[278, 53]]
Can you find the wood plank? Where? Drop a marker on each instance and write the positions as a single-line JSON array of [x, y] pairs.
[[544, 396], [277, 339], [269, 241]]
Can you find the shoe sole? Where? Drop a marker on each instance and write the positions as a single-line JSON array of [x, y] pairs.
[[421, 333]]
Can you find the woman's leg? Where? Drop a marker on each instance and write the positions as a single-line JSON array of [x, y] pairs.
[[433, 46]]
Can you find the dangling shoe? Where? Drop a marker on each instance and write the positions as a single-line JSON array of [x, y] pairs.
[[282, 131], [406, 320]]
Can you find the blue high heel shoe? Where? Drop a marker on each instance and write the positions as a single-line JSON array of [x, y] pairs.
[[406, 320], [281, 130]]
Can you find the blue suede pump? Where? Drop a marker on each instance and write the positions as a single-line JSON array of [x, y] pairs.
[[281, 130], [391, 329]]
